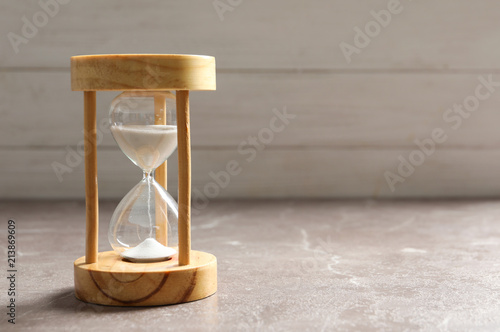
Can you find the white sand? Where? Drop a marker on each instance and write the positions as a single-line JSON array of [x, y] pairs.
[[147, 251], [147, 146]]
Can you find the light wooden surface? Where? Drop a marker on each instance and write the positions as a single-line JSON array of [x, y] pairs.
[[161, 175], [270, 55], [161, 119], [184, 173], [118, 72], [113, 281], [91, 186]]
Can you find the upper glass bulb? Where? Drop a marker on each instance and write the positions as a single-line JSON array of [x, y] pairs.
[[146, 136]]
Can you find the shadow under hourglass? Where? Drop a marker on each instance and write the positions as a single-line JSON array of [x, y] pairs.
[[64, 301]]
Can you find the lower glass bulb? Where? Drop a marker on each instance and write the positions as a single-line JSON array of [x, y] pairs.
[[142, 228]]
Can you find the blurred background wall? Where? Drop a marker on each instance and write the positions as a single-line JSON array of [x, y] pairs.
[[314, 99]]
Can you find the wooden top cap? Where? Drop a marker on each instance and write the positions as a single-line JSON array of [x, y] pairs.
[[142, 72]]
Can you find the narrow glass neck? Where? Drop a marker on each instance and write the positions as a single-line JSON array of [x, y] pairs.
[[148, 176]]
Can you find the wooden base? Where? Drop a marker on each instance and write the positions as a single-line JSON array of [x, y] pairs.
[[113, 281]]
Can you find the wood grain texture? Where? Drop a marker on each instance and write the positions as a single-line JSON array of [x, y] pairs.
[[271, 56], [161, 175], [113, 281], [282, 34], [118, 72], [274, 173], [91, 188], [161, 119], [376, 110], [184, 172]]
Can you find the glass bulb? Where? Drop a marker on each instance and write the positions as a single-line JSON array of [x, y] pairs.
[[143, 227]]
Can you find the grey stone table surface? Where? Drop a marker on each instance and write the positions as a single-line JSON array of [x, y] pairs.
[[282, 266]]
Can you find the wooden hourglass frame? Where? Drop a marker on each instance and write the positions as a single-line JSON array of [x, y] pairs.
[[105, 278]]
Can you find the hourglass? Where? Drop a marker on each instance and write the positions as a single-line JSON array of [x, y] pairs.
[[151, 262]]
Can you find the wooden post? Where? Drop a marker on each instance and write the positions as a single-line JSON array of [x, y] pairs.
[[184, 153], [161, 174], [91, 196]]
